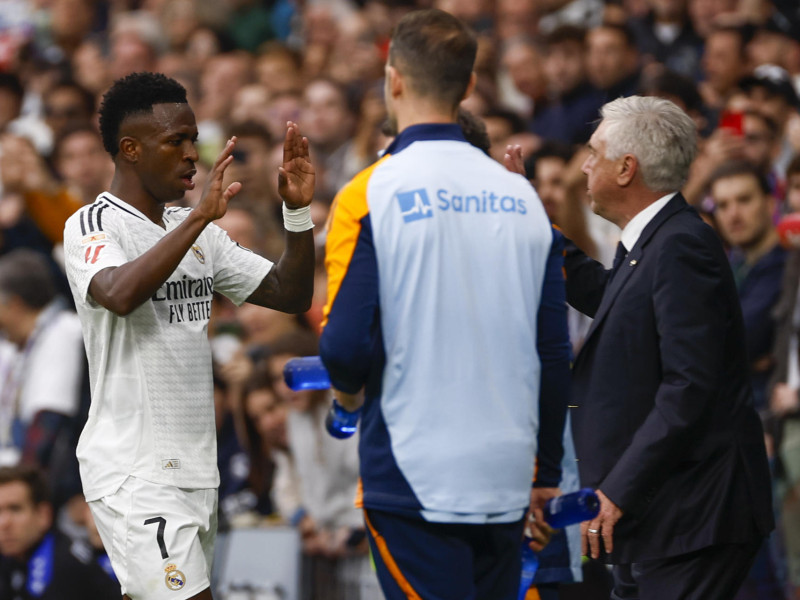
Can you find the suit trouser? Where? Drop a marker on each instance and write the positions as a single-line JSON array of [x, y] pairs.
[[712, 573]]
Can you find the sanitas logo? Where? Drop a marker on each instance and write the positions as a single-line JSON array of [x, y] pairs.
[[415, 205], [486, 202]]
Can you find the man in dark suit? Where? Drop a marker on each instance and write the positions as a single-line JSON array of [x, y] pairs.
[[663, 420]]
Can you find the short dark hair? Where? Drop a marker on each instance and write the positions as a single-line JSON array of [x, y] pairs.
[[515, 122], [666, 82], [437, 53], [734, 168], [12, 83], [623, 29], [26, 274], [549, 149], [566, 33], [743, 32], [135, 94], [32, 477], [86, 97], [349, 95], [71, 129], [251, 129]]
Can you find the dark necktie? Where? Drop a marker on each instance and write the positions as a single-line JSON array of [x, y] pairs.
[[618, 258]]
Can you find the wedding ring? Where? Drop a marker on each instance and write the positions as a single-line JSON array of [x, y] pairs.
[[595, 531]]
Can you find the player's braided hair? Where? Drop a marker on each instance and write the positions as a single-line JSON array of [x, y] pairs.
[[136, 93]]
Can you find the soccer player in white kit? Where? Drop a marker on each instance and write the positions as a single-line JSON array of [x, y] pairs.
[[142, 276]]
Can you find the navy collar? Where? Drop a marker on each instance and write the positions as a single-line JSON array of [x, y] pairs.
[[425, 132]]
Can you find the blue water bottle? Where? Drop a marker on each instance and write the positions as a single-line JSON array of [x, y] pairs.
[[306, 373], [341, 423], [572, 508], [559, 512]]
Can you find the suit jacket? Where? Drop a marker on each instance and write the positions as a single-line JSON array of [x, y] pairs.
[[663, 418]]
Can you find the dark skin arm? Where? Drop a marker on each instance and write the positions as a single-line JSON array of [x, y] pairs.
[[289, 284]]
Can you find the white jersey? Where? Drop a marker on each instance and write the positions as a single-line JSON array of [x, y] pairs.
[[152, 413]]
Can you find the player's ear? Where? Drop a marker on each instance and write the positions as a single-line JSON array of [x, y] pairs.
[[395, 81], [473, 80], [129, 149]]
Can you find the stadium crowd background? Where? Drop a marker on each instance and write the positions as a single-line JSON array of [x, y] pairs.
[[544, 69]]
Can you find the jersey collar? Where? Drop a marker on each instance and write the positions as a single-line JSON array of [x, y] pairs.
[[426, 132]]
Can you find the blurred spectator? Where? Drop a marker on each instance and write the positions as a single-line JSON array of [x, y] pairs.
[[223, 75], [326, 471], [612, 60], [357, 57], [253, 166], [136, 41], [554, 13], [666, 35], [743, 214], [81, 161], [69, 23], [36, 561], [278, 69], [724, 64], [515, 18], [547, 171], [89, 66], [42, 370], [329, 115], [523, 83], [761, 149], [65, 102], [11, 95], [249, 24], [771, 92], [239, 462], [706, 13], [574, 103], [179, 19], [500, 125], [43, 204], [776, 42]]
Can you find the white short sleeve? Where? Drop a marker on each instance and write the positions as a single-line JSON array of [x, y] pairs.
[[88, 253], [237, 270]]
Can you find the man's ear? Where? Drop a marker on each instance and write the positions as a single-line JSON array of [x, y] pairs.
[[396, 82], [129, 149], [473, 80], [627, 169]]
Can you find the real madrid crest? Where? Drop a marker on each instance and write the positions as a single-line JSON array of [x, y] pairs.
[[175, 579], [198, 254]]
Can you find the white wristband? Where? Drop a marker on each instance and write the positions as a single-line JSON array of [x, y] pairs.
[[297, 219]]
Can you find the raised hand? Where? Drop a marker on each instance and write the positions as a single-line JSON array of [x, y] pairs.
[[297, 176], [512, 159], [214, 201]]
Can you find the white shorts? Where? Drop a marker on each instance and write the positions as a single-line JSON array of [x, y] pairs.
[[160, 538]]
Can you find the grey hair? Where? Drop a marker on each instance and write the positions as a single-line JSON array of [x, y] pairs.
[[661, 136]]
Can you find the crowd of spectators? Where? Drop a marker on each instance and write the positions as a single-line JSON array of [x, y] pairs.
[[544, 69]]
